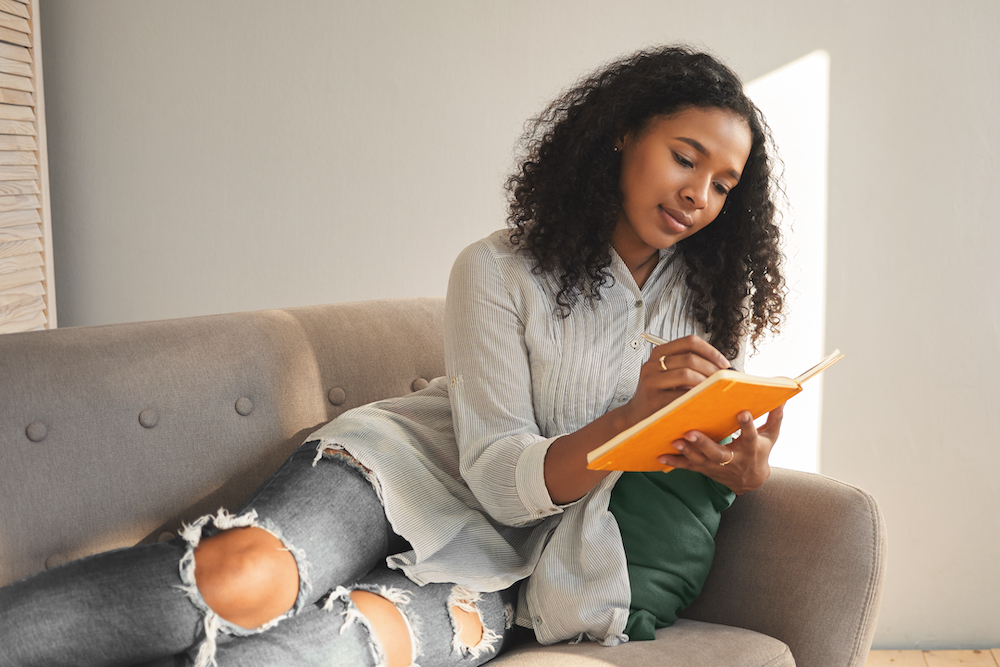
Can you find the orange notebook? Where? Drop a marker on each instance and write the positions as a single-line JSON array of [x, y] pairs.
[[710, 407]]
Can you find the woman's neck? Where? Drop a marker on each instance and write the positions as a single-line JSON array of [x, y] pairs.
[[642, 271], [639, 257], [639, 260]]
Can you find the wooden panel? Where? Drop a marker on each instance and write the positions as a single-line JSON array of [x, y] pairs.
[[13, 261], [17, 83], [15, 8], [18, 173], [26, 277], [14, 112], [43, 169], [15, 53], [895, 659], [17, 127], [954, 658], [19, 311], [20, 262], [15, 23], [8, 234], [22, 305], [18, 157], [35, 323], [11, 142], [8, 96], [25, 309], [996, 655], [16, 295], [27, 216], [12, 294], [9, 66], [15, 248], [15, 37], [21, 278], [18, 203], [19, 188]]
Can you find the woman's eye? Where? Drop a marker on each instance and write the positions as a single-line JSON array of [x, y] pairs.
[[723, 190], [683, 160]]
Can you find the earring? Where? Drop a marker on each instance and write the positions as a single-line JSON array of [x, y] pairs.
[[617, 150]]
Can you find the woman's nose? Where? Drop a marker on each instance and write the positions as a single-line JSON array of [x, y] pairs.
[[696, 194]]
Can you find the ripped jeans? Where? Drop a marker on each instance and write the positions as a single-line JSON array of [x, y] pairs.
[[142, 604]]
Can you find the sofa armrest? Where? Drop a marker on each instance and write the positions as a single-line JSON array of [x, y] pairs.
[[801, 559]]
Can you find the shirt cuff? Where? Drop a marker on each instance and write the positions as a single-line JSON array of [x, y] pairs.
[[530, 480]]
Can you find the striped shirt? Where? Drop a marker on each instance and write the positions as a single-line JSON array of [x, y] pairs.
[[459, 465]]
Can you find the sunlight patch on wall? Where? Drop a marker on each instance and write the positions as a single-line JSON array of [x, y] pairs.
[[795, 101]]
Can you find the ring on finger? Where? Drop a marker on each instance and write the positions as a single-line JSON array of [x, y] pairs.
[[663, 363], [732, 455]]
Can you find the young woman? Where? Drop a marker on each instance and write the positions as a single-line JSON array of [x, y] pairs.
[[427, 529]]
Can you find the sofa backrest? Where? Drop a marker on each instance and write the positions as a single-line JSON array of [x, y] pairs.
[[113, 435]]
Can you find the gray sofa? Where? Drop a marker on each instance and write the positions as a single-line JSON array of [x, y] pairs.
[[113, 435]]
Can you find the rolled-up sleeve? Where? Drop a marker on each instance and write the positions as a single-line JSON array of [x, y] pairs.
[[502, 452]]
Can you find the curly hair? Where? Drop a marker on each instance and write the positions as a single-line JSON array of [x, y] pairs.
[[565, 199]]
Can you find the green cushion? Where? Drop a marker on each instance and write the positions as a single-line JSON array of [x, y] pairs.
[[668, 524]]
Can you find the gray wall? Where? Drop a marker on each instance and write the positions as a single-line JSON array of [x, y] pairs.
[[211, 157]]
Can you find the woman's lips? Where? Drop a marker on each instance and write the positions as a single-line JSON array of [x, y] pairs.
[[676, 221]]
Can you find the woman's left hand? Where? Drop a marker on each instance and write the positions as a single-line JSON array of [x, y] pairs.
[[742, 465]]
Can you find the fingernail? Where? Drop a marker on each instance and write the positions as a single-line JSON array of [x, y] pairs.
[[679, 446], [690, 437]]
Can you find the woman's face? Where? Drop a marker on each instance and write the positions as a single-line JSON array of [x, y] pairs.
[[675, 177]]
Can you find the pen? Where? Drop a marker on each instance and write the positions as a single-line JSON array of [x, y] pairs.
[[656, 340]]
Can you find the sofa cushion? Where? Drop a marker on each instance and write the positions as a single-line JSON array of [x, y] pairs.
[[683, 644]]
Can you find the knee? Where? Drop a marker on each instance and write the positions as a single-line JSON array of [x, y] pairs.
[[246, 576], [388, 625], [468, 626], [394, 636], [478, 631]]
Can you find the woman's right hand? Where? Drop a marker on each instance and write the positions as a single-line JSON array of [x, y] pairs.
[[687, 361]]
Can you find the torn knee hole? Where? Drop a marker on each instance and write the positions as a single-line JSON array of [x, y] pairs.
[[204, 566], [388, 626], [468, 627], [471, 636], [246, 575]]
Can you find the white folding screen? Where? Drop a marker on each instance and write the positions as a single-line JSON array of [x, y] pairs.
[[27, 299]]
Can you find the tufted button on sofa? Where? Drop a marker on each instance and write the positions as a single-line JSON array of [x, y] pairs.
[[114, 435]]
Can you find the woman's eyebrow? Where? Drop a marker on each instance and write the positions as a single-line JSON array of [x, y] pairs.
[[697, 145]]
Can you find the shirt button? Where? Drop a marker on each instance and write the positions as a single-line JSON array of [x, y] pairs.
[[634, 344], [638, 303]]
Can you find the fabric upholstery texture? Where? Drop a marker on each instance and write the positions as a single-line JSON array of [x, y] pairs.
[[803, 559], [684, 644], [113, 435]]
